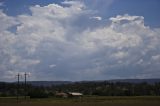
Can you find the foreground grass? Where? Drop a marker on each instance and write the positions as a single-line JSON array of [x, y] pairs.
[[85, 101]]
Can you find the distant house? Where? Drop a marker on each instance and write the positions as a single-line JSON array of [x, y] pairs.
[[69, 94], [61, 94], [75, 94]]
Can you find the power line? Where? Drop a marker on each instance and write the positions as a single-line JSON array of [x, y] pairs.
[[25, 84], [18, 76]]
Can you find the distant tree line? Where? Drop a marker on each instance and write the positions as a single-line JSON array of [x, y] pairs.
[[87, 88]]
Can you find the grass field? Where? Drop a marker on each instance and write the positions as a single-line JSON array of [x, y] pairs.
[[84, 101]]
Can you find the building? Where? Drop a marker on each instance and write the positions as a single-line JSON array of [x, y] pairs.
[[75, 94], [61, 94]]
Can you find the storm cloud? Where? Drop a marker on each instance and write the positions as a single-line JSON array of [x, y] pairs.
[[67, 42]]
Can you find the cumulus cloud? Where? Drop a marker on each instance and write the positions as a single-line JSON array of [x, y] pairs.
[[156, 58], [6, 21], [126, 17], [120, 55], [124, 49], [97, 18], [52, 65]]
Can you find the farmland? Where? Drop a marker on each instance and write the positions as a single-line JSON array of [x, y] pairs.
[[84, 101], [94, 94]]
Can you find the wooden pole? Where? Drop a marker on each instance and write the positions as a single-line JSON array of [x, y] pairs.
[[18, 75]]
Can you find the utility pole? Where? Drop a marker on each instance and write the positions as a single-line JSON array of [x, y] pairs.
[[25, 84], [18, 75]]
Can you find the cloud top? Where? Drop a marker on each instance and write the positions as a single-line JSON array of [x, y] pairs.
[[125, 48]]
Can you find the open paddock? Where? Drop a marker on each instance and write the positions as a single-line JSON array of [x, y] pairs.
[[84, 101]]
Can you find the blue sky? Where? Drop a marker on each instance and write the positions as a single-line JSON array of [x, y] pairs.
[[80, 39], [147, 8]]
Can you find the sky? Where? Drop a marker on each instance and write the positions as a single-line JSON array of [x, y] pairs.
[[77, 40]]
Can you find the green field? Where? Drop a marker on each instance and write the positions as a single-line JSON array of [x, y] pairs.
[[84, 101]]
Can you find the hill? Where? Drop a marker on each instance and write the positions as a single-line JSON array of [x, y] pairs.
[[50, 83]]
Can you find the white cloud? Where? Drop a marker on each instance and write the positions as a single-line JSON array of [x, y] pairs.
[[108, 37], [6, 21], [120, 55], [135, 19], [140, 61], [96, 17], [156, 58], [76, 4], [49, 36], [52, 66]]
